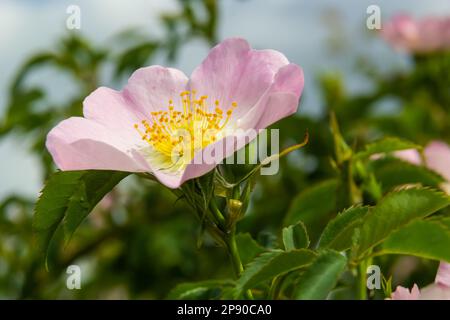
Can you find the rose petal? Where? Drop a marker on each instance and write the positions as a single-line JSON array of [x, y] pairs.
[[227, 146], [82, 144], [443, 274], [409, 155], [402, 293], [280, 100], [233, 72], [111, 109], [435, 292], [437, 156], [151, 88]]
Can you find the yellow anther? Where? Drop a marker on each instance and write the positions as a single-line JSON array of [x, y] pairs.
[[195, 116]]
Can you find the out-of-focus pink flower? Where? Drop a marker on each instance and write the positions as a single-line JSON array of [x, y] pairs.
[[163, 123], [404, 294], [417, 36], [107, 202], [439, 290], [409, 155], [437, 157], [443, 275]]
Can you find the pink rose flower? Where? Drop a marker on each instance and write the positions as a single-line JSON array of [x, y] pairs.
[[437, 157], [164, 123], [439, 290], [417, 36], [402, 293]]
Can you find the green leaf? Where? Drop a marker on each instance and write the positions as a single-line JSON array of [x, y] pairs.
[[424, 238], [394, 172], [341, 149], [395, 211], [135, 57], [386, 145], [271, 264], [93, 187], [68, 197], [321, 276], [209, 289], [295, 237], [38, 60], [314, 207], [248, 247], [339, 231], [386, 285]]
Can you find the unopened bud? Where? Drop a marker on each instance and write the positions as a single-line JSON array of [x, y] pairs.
[[234, 210]]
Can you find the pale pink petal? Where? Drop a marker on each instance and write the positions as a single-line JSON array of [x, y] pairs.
[[440, 289], [402, 293], [446, 33], [415, 292], [418, 36], [280, 100], [170, 180], [151, 88], [401, 32], [430, 33], [437, 155], [233, 72], [82, 144], [110, 108], [409, 155], [435, 292], [443, 274]]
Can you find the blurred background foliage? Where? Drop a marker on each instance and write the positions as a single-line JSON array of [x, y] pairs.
[[140, 241]]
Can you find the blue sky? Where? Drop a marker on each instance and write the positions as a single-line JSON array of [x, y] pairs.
[[299, 28]]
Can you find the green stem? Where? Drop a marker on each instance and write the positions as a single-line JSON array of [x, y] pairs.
[[236, 192], [217, 214], [362, 280], [275, 288], [236, 260]]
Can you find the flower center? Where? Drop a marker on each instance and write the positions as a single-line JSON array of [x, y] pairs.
[[179, 134]]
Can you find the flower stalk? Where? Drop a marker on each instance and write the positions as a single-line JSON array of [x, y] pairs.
[[235, 258], [362, 287], [217, 214]]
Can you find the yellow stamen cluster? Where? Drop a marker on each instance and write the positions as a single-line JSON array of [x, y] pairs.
[[169, 131]]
